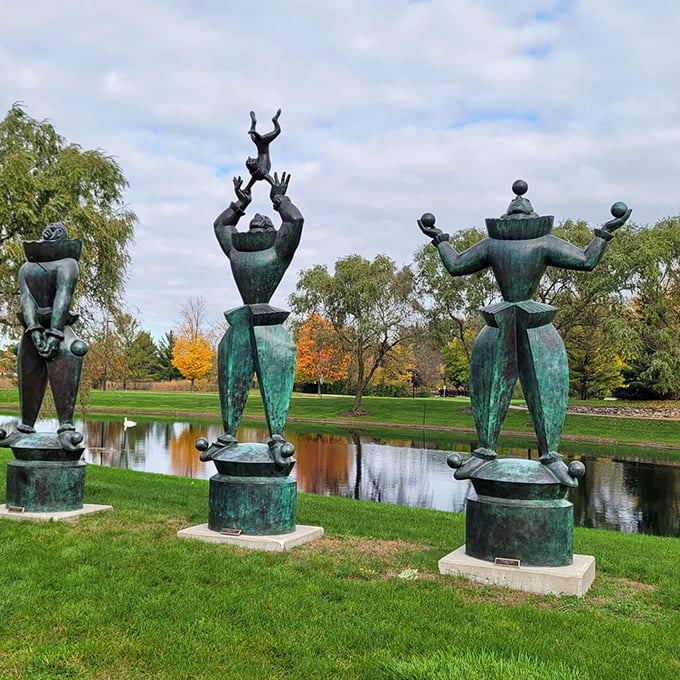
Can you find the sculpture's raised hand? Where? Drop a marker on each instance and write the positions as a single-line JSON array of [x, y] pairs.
[[621, 212], [242, 194], [279, 187], [426, 224]]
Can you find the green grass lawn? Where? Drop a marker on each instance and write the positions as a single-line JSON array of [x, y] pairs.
[[118, 596]]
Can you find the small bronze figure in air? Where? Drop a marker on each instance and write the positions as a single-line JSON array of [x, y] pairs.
[[260, 167], [519, 340]]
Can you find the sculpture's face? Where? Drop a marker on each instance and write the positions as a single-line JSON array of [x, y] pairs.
[[261, 223], [54, 232]]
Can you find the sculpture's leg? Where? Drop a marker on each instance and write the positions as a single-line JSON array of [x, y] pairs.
[[235, 371], [275, 366], [493, 375], [544, 374], [64, 376], [32, 374]]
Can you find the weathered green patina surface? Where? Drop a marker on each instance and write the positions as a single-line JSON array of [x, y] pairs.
[[520, 512], [46, 475], [252, 491]]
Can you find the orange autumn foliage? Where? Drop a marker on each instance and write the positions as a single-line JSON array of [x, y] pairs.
[[192, 357], [318, 352]]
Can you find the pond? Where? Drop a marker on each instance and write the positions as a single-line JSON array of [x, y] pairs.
[[617, 493]]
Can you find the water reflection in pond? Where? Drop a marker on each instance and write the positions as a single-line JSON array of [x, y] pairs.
[[617, 494]]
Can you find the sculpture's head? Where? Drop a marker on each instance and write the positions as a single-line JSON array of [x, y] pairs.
[[55, 245], [519, 206], [260, 236], [519, 221], [261, 223], [54, 232]]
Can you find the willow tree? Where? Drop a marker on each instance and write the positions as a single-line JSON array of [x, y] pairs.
[[44, 179]]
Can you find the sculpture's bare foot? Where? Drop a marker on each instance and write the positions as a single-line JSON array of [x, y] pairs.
[[226, 439], [69, 439], [478, 458], [568, 476], [209, 451], [7, 440], [280, 450]]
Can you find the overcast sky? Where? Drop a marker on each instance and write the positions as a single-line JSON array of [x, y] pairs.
[[390, 108]]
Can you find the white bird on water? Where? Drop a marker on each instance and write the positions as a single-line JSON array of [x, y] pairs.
[[128, 423]]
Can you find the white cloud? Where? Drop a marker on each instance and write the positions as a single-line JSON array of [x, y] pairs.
[[390, 108]]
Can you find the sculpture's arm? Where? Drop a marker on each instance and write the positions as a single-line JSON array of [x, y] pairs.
[[474, 259], [225, 224], [67, 277], [29, 307], [288, 237], [290, 231], [561, 253]]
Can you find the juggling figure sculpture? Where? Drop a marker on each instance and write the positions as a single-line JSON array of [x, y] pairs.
[[520, 510], [252, 492], [47, 475]]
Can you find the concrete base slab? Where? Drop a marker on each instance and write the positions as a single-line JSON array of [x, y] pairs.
[[574, 579], [63, 516], [276, 543]]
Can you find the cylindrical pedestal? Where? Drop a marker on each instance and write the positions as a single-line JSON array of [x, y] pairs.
[[259, 506], [45, 486], [538, 533], [520, 513]]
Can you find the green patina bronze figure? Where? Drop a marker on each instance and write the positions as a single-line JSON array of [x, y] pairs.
[[251, 492], [47, 474], [519, 342]]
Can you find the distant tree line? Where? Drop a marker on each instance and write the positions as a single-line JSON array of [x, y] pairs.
[[368, 327]]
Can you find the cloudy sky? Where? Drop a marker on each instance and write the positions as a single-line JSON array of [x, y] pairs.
[[390, 108]]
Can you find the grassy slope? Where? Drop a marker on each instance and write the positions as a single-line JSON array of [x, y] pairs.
[[117, 595]]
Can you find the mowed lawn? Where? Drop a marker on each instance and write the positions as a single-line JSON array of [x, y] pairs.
[[119, 596]]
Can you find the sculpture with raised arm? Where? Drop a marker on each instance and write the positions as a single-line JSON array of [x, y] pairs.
[[256, 342], [519, 341], [251, 492]]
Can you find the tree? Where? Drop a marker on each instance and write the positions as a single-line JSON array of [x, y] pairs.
[[166, 347], [193, 358], [457, 361], [194, 315], [320, 357], [143, 362], [44, 179], [369, 304], [193, 352], [650, 331], [396, 374]]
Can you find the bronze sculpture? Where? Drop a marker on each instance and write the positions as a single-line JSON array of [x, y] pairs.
[[48, 353], [252, 492], [519, 342]]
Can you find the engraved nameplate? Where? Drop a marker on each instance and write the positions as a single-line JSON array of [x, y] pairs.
[[16, 508], [506, 562], [231, 532]]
